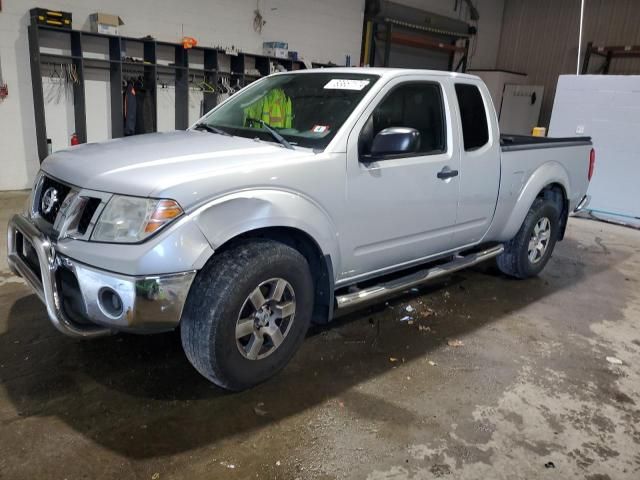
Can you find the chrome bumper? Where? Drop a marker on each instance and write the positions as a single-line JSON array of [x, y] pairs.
[[146, 304], [582, 204]]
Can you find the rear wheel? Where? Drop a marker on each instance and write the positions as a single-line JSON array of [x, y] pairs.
[[529, 251], [247, 313]]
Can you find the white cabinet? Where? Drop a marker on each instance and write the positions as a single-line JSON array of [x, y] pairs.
[[520, 109], [495, 80]]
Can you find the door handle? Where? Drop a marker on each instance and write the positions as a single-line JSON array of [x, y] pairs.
[[447, 173]]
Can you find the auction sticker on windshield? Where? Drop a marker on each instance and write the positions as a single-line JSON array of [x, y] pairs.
[[346, 84]]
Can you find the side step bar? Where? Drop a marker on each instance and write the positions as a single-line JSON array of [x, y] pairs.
[[376, 292]]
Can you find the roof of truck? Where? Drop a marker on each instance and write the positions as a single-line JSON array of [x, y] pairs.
[[387, 72]]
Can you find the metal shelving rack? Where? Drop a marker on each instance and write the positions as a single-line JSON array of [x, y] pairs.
[[388, 32], [609, 53], [148, 67]]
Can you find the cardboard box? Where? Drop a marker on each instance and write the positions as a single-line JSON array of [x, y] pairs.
[[105, 23], [276, 49], [276, 52], [283, 45]]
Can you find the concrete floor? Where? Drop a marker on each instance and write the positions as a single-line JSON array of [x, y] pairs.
[[527, 393]]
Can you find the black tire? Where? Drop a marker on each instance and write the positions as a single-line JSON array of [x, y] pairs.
[[214, 303], [514, 261]]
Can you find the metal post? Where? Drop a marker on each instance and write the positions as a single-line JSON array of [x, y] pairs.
[[607, 63], [182, 88], [38, 95], [580, 38], [587, 57], [150, 77], [79, 104], [211, 77], [387, 45], [115, 87], [465, 59], [365, 58]]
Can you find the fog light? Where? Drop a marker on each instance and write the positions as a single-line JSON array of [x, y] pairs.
[[110, 302]]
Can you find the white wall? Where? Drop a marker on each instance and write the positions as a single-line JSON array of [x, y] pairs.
[[322, 31], [484, 47]]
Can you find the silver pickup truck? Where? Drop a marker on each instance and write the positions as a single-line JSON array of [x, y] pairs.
[[301, 195]]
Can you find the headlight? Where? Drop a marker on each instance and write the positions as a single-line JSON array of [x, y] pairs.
[[132, 219]]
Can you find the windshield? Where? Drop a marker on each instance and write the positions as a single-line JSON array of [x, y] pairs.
[[304, 109]]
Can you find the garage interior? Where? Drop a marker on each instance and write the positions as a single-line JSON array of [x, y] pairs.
[[470, 376]]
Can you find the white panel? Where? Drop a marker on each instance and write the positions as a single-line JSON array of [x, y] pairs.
[[607, 108], [166, 108], [98, 101], [196, 98], [58, 112]]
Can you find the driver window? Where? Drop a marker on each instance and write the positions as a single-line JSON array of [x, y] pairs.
[[414, 105]]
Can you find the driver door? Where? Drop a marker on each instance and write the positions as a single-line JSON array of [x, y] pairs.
[[399, 208]]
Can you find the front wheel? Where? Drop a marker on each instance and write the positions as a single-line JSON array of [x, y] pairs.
[[247, 313], [529, 251]]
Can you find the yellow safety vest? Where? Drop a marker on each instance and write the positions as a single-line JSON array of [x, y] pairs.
[[274, 109]]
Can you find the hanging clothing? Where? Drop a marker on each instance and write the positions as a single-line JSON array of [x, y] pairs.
[[145, 118], [130, 109], [274, 109]]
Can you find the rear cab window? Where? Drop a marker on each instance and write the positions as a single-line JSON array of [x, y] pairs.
[[473, 116]]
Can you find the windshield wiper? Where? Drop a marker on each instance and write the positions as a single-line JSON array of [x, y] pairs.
[[273, 132], [211, 129]]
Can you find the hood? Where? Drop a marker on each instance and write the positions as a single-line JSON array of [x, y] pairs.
[[151, 164]]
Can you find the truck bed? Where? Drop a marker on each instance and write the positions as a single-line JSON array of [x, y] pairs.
[[527, 142]]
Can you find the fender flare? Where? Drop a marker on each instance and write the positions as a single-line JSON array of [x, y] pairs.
[[234, 214], [547, 174]]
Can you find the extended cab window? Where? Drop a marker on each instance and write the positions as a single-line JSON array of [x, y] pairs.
[[473, 116], [414, 105]]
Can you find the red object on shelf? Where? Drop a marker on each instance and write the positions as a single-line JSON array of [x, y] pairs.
[[189, 42], [75, 140]]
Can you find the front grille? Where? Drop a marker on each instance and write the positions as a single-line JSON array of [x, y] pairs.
[[51, 187]]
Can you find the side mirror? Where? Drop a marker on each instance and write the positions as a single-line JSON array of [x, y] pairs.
[[395, 140]]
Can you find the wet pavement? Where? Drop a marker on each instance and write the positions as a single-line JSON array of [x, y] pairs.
[[487, 378]]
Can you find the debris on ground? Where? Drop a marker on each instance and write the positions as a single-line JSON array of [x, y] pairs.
[[155, 476], [455, 343], [393, 359], [427, 312], [432, 363], [258, 410], [406, 318], [447, 294], [410, 309], [549, 465], [614, 361], [228, 465], [278, 463], [424, 328]]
